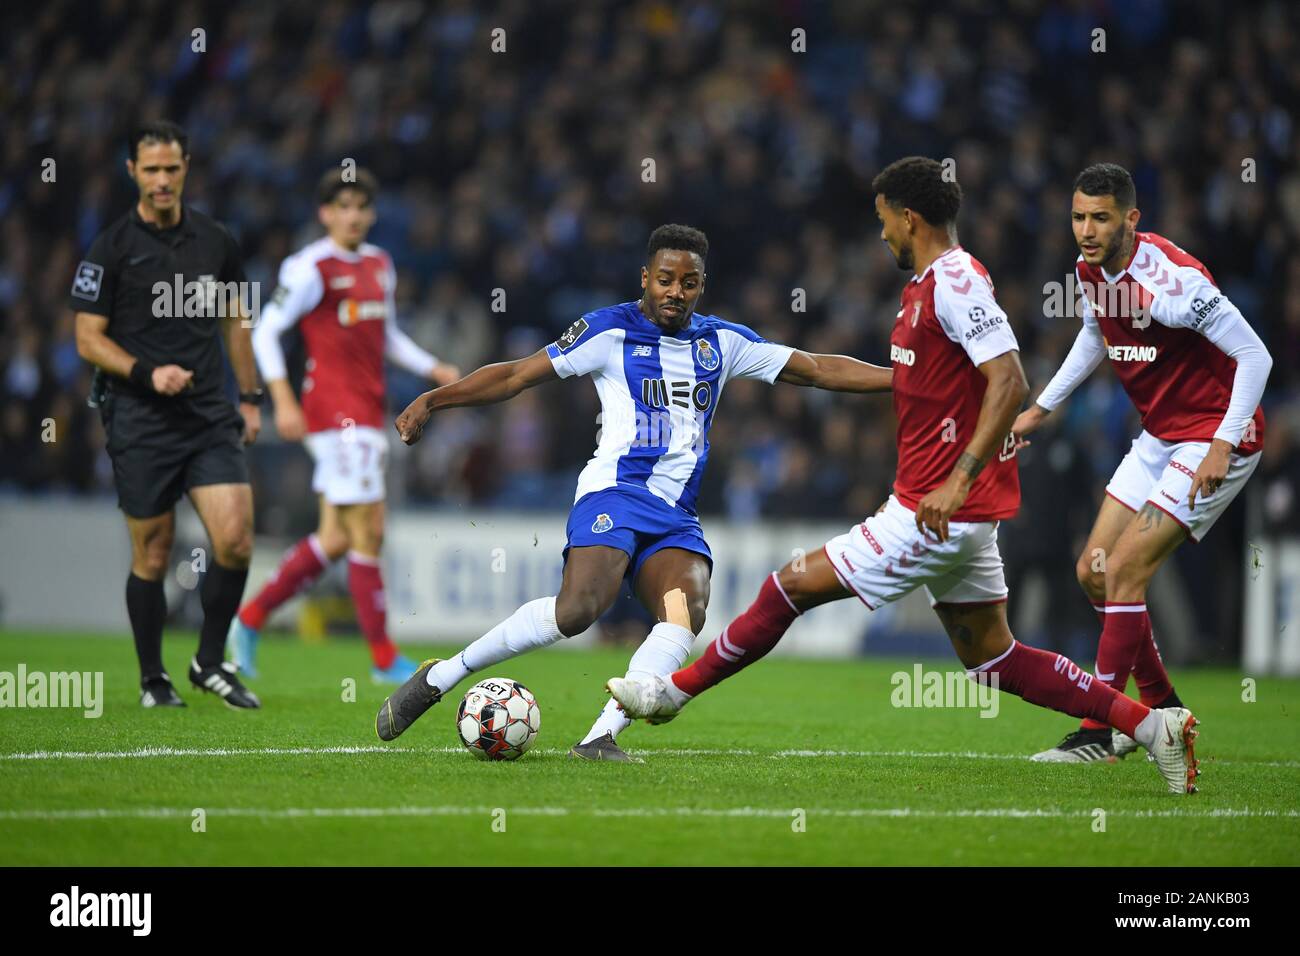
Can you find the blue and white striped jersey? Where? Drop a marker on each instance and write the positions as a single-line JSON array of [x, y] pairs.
[[657, 394]]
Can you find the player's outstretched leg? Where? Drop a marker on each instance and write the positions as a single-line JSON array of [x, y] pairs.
[[591, 579], [782, 598], [982, 640], [673, 584], [1130, 548]]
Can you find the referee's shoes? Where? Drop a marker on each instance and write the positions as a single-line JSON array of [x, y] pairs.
[[159, 692], [220, 679]]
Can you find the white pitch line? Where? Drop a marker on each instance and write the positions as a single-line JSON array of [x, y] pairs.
[[147, 752], [144, 752], [1012, 813]]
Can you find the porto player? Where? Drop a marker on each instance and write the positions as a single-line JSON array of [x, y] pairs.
[[957, 386], [339, 291], [1195, 370], [659, 369]]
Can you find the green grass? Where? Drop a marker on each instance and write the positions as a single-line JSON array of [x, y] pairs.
[[670, 810]]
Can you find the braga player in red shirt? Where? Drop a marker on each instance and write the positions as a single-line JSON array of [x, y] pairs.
[[957, 386], [339, 291], [1195, 370]]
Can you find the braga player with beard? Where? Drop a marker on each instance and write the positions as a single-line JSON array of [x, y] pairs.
[[956, 362], [1195, 370]]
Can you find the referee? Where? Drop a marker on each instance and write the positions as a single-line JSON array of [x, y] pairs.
[[169, 425]]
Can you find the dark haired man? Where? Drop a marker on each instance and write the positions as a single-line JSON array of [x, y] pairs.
[[1196, 371], [339, 291], [171, 429], [659, 369], [957, 386]]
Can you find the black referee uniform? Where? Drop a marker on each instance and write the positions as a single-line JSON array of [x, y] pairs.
[[153, 286], [161, 445]]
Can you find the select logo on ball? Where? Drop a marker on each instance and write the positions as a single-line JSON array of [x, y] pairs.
[[498, 719]]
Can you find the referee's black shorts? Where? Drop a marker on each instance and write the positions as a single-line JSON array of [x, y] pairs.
[[159, 453]]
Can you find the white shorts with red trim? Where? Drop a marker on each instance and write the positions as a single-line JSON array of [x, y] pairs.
[[886, 557], [349, 464], [1161, 472]]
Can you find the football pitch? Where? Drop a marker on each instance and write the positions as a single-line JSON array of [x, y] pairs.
[[793, 762]]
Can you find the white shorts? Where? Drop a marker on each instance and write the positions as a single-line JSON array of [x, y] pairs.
[[1161, 472], [349, 464], [886, 557]]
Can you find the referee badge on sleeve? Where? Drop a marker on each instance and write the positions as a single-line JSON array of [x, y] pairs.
[[87, 282]]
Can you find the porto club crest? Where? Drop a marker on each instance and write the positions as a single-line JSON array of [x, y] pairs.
[[707, 355]]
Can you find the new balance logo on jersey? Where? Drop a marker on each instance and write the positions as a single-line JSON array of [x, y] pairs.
[[658, 393], [1131, 353], [642, 351], [901, 356]]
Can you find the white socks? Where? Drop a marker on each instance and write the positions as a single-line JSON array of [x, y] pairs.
[[530, 627], [664, 650]]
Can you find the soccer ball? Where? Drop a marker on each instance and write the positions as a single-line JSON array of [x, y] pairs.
[[498, 719]]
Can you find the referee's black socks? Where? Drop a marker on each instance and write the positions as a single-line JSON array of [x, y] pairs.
[[220, 595], [146, 606]]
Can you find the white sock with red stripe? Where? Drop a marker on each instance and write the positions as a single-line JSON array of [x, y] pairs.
[[664, 650]]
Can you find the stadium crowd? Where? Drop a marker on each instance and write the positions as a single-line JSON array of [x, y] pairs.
[[516, 197]]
